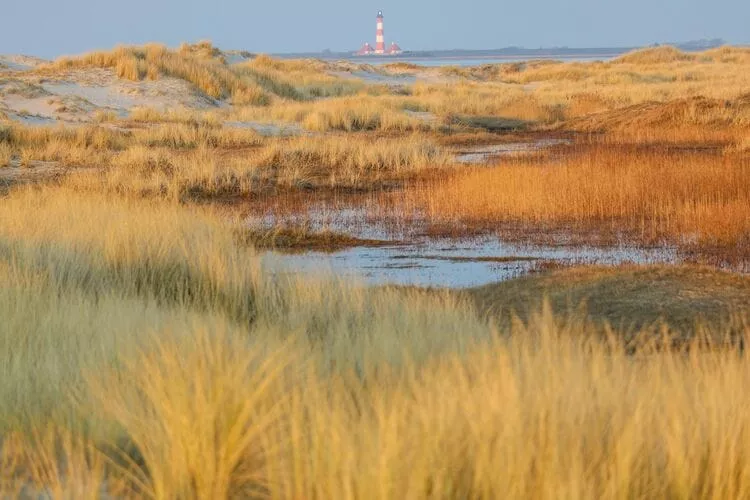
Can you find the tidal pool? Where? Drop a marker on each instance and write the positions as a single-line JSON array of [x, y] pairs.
[[455, 263], [408, 255]]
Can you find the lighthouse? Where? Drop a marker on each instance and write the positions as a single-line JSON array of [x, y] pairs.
[[379, 35], [379, 49]]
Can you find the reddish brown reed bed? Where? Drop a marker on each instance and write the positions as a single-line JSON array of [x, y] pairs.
[[695, 199]]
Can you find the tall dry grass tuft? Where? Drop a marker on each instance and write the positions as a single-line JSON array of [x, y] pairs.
[[87, 146], [179, 115], [58, 463], [152, 167], [6, 154], [482, 99], [354, 114], [186, 158], [197, 409], [550, 409], [203, 48], [346, 114], [160, 257], [350, 161], [550, 412], [190, 136], [157, 171], [99, 138], [297, 80], [105, 116]]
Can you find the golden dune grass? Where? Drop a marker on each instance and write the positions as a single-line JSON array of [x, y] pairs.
[[202, 48], [96, 146], [297, 79], [482, 99], [345, 114], [686, 198], [6, 154], [133, 267], [696, 121], [251, 83], [548, 91], [152, 61], [179, 136], [209, 167], [354, 114], [158, 171], [176, 115], [543, 415], [656, 55], [538, 92], [696, 112], [728, 54], [58, 151], [621, 85], [105, 116], [668, 54], [99, 138], [88, 146], [185, 158], [351, 161], [144, 354]]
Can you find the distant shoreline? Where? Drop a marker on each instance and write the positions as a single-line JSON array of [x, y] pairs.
[[465, 54], [507, 52]]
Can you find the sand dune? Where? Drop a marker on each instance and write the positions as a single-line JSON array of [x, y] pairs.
[[77, 95]]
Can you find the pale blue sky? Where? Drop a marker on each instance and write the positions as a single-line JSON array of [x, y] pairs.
[[53, 27]]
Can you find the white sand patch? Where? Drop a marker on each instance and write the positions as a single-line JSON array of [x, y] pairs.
[[104, 89], [33, 104], [29, 106], [76, 95]]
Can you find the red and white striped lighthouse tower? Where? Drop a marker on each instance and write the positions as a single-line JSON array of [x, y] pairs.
[[380, 38]]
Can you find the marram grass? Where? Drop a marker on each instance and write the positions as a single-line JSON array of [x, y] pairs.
[[145, 355]]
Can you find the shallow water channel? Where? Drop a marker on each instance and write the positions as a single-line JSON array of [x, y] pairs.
[[406, 255], [455, 263]]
